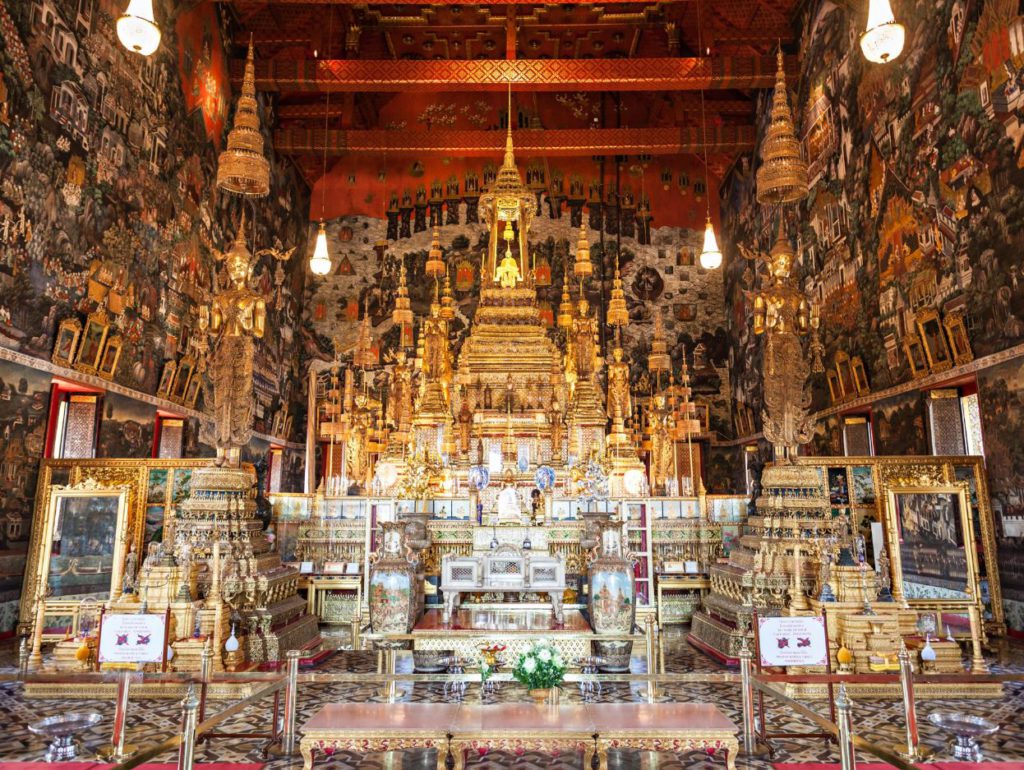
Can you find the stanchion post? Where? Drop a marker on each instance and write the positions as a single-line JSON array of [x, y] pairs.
[[747, 693], [291, 694], [978, 664], [843, 705], [652, 660], [117, 750], [913, 751], [356, 625], [187, 750]]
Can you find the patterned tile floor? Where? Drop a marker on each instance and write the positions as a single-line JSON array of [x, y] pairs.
[[880, 721]]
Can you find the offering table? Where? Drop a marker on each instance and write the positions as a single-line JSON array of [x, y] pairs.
[[669, 727], [368, 728], [520, 727]]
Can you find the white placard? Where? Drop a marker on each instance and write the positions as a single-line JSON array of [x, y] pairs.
[[797, 641], [132, 639]]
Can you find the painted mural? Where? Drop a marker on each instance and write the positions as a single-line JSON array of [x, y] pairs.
[[126, 427], [108, 202]]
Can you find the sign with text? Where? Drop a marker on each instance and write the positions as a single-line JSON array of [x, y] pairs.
[[794, 641], [132, 639]]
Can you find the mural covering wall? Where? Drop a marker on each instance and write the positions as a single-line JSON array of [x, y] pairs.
[[911, 236]]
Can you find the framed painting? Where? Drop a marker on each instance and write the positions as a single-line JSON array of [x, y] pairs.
[[181, 379], [194, 386], [860, 375], [163, 390], [111, 355], [838, 487], [916, 356], [934, 339], [845, 372], [67, 341], [959, 344], [934, 559], [95, 334], [863, 484], [835, 390]]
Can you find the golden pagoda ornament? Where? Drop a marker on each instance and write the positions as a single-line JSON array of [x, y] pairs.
[[435, 261], [583, 267], [782, 177], [364, 356], [242, 168], [402, 314], [618, 313], [565, 307], [658, 359], [447, 300]]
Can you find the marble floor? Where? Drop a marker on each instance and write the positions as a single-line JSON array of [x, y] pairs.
[[879, 721]]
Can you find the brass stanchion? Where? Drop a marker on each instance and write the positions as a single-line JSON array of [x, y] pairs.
[[187, 751], [978, 664], [847, 759], [291, 694], [117, 750], [913, 751], [652, 660], [356, 627], [751, 748]]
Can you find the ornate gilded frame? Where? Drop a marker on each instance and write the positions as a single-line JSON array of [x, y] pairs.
[[163, 390], [130, 474], [956, 332], [835, 389], [182, 376], [916, 357], [939, 356], [860, 375], [892, 537], [37, 566], [909, 471], [847, 384], [96, 323], [70, 328], [111, 356]]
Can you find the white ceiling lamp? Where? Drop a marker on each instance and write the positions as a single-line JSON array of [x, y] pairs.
[[137, 28], [320, 262], [883, 39], [710, 255]]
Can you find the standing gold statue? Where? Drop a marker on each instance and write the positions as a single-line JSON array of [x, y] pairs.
[[585, 343], [236, 315], [437, 355], [619, 402], [783, 315], [400, 396]]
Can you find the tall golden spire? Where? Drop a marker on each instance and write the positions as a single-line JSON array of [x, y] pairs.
[[565, 308], [435, 260], [447, 300], [402, 314], [242, 168], [658, 360], [583, 267], [782, 177], [618, 313]]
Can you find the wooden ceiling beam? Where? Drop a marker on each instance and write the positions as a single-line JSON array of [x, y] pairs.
[[548, 142], [643, 74]]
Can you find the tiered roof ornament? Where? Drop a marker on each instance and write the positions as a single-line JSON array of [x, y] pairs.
[[243, 169], [782, 177]]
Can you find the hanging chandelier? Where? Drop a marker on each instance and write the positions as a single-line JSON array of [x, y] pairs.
[[883, 39], [782, 177], [710, 254], [320, 262], [137, 28], [243, 169]]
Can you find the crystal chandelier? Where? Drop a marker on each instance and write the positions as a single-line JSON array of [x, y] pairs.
[[320, 262], [710, 255], [883, 39], [137, 28], [782, 177]]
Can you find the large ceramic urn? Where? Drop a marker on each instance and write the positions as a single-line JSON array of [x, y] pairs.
[[394, 599], [612, 597]]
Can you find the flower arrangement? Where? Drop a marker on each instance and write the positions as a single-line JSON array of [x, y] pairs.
[[540, 667]]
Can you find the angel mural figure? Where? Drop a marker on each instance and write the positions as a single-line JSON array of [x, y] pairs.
[[236, 316]]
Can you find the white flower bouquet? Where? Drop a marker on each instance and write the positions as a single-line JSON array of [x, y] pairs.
[[540, 667]]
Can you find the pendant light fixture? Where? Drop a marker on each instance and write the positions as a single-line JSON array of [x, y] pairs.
[[883, 39], [710, 255], [320, 262], [137, 28]]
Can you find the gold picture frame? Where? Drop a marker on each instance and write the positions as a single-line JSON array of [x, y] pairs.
[[860, 375], [959, 343], [845, 373], [835, 390], [111, 356], [933, 338], [163, 390], [195, 384], [182, 377], [87, 358], [64, 347], [915, 356], [939, 516]]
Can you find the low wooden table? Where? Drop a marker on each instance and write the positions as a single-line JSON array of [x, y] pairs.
[[519, 727], [369, 728], [671, 727]]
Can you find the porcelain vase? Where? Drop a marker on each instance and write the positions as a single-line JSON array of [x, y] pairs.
[[612, 597]]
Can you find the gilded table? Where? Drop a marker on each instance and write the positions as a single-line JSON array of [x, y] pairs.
[[516, 728], [368, 728], [670, 727]]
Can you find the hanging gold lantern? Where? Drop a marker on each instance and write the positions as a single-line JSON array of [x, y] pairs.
[[583, 267], [435, 261], [242, 168], [782, 177], [402, 314], [618, 313]]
